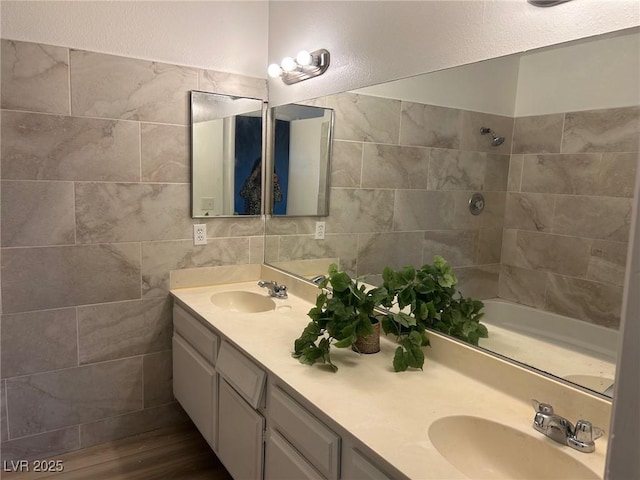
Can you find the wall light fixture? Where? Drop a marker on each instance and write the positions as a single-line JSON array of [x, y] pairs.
[[306, 65]]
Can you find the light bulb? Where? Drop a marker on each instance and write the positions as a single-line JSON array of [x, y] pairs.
[[274, 70], [288, 64], [304, 58]]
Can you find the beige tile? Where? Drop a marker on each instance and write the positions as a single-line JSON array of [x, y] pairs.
[[256, 250], [523, 285], [592, 302], [575, 174], [53, 400], [394, 166], [458, 247], [607, 130], [607, 263], [360, 211], [236, 226], [4, 434], [50, 277], [342, 247], [346, 164], [430, 126], [158, 379], [515, 173], [489, 245], [232, 84], [38, 447], [122, 426], [49, 147], [538, 134], [472, 139], [479, 282], [160, 257], [364, 118], [37, 213], [395, 250], [491, 217], [165, 153], [124, 329], [38, 342], [109, 86], [422, 210], [552, 253], [123, 212], [529, 211], [496, 175], [34, 77], [296, 225], [509, 253], [605, 218], [617, 174], [456, 170]]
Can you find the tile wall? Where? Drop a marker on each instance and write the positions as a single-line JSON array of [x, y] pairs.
[[95, 213]]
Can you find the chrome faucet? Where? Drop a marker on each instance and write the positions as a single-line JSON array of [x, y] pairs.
[[275, 290], [581, 437]]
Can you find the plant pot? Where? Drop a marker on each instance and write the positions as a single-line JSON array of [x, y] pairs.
[[370, 343]]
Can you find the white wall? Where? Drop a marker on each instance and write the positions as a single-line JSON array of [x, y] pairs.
[[304, 165], [229, 36]]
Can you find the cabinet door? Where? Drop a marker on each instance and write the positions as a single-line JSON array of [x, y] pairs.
[[282, 462], [240, 433], [195, 387], [357, 467]]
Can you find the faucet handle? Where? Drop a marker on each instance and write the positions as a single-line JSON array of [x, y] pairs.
[[586, 432], [542, 407]]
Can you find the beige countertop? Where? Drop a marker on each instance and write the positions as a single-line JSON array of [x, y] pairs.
[[387, 411]]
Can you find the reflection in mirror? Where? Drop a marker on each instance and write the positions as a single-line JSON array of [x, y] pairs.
[[302, 157], [548, 252], [226, 153]]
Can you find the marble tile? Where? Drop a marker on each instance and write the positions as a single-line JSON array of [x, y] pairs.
[[479, 282], [124, 329], [529, 211], [361, 211], [515, 173], [37, 213], [160, 257], [607, 130], [617, 174], [394, 166], [34, 77], [496, 175], [48, 401], [4, 433], [472, 139], [574, 174], [430, 126], [456, 170], [124, 212], [365, 119], [342, 247], [165, 153], [509, 254], [232, 84], [271, 248], [458, 247], [295, 225], [491, 217], [122, 426], [44, 445], [523, 285], [51, 277], [605, 218], [346, 164], [423, 210], [607, 263], [395, 250], [38, 341], [233, 226], [592, 302], [49, 147], [158, 378], [109, 86], [256, 250], [489, 245], [538, 134]]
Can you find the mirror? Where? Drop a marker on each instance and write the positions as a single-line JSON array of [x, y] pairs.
[[226, 153], [301, 154], [550, 139]]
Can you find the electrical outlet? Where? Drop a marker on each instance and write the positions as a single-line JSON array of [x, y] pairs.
[[200, 234], [320, 226]]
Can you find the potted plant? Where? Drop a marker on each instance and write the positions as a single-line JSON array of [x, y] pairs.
[[425, 298], [340, 318]]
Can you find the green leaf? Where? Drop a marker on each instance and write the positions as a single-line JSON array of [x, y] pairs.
[[347, 342], [340, 281], [399, 364]]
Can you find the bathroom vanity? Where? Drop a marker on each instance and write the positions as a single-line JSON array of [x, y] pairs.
[[268, 416]]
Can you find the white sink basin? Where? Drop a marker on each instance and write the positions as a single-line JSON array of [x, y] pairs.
[[482, 449], [243, 302]]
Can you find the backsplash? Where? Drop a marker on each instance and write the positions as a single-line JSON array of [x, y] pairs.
[[95, 213]]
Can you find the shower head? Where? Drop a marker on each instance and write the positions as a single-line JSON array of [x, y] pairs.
[[496, 140]]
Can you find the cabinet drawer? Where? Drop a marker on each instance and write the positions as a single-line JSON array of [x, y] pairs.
[[314, 440], [282, 462], [242, 374], [199, 336]]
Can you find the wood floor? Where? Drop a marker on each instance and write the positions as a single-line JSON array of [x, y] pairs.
[[170, 453]]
